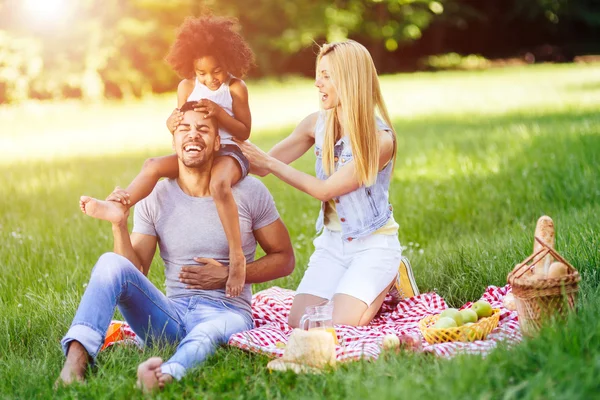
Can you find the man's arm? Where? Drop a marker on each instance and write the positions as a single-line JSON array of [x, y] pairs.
[[137, 248], [279, 261]]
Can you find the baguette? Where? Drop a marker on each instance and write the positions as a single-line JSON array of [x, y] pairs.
[[544, 230]]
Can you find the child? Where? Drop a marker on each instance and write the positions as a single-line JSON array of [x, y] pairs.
[[209, 54]]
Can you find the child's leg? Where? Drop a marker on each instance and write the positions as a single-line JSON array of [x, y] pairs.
[[142, 186], [225, 173], [152, 171]]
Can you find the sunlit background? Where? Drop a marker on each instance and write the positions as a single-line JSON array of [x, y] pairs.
[[88, 77]]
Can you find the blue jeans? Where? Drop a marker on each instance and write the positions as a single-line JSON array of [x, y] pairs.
[[198, 324]]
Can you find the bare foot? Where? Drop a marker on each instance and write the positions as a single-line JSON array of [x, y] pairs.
[[148, 374], [107, 210], [75, 366], [163, 379], [237, 276]]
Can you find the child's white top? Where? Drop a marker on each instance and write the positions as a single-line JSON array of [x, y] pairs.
[[222, 97]]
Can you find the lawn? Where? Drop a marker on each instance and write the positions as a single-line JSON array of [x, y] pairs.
[[481, 156]]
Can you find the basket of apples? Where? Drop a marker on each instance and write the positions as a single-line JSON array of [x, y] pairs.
[[466, 325]]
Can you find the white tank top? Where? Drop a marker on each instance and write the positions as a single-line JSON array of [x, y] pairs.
[[222, 97]]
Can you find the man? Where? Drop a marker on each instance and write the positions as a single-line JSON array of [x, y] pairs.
[[181, 217]]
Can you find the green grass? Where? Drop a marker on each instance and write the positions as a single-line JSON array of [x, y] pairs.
[[481, 156]]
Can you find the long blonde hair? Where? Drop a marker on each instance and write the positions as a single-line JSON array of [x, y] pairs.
[[355, 79]]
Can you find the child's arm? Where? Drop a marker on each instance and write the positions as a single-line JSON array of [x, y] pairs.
[[184, 89], [239, 126]]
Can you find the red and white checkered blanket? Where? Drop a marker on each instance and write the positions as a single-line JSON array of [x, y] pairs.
[[270, 309]]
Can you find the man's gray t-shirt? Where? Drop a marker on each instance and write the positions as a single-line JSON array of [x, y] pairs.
[[189, 227]]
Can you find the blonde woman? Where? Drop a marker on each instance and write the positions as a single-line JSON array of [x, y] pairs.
[[357, 255]]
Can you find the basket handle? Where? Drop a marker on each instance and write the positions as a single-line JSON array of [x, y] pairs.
[[555, 254], [524, 266], [539, 255]]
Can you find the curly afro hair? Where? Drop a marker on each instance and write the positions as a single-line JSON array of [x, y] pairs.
[[210, 36]]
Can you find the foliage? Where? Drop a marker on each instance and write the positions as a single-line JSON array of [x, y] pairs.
[[20, 62], [456, 61], [115, 48]]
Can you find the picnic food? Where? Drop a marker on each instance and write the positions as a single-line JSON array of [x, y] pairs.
[[544, 230], [410, 342], [482, 308], [306, 351], [390, 342], [401, 342], [438, 329], [509, 302], [558, 269], [468, 316], [551, 289], [454, 314], [445, 322]]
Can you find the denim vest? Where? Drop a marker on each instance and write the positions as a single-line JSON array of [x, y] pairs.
[[365, 209]]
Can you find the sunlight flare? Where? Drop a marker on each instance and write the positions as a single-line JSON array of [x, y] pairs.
[[46, 10]]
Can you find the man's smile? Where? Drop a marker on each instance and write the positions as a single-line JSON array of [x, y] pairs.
[[194, 148]]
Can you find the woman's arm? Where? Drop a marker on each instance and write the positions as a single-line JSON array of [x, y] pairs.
[[292, 147], [298, 142], [343, 181]]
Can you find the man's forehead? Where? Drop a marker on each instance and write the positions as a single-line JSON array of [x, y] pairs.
[[196, 118]]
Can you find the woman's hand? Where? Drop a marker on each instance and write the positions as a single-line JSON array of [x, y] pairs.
[[260, 162], [210, 108], [174, 120]]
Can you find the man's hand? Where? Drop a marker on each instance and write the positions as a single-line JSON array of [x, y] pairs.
[[120, 196], [212, 275]]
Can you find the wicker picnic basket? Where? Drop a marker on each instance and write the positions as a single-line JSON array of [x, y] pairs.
[[464, 333], [539, 298]]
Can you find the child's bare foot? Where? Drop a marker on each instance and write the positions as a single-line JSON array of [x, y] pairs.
[[237, 276], [107, 210], [148, 375]]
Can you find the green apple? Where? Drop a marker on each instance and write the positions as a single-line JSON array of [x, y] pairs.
[[390, 342], [454, 314], [445, 322], [468, 315], [482, 308]]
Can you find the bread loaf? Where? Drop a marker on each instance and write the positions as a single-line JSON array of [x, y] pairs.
[[509, 302], [557, 269], [544, 230]]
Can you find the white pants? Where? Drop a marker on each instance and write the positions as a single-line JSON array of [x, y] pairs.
[[361, 268]]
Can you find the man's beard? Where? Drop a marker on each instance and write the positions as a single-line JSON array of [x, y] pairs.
[[194, 163]]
